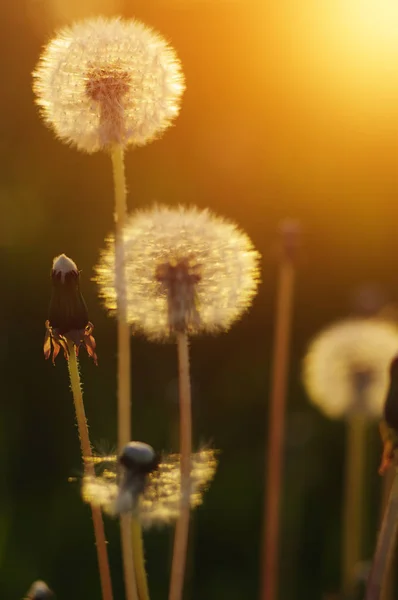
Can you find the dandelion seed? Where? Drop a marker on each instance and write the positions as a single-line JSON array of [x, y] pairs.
[[68, 315], [103, 82], [346, 369], [185, 269], [151, 491]]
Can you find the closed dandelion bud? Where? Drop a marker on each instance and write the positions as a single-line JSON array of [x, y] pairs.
[[68, 315], [103, 82], [137, 460], [185, 270], [39, 591]]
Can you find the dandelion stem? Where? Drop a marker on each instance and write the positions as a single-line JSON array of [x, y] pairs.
[[353, 514], [139, 561], [182, 527], [387, 592], [385, 544], [99, 532], [131, 537], [276, 426], [124, 358]]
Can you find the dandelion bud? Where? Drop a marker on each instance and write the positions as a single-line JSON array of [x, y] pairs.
[[138, 460], [139, 457], [68, 315], [39, 591], [68, 311]]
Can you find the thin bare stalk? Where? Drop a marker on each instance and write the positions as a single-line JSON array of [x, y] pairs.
[[182, 526], [353, 499], [139, 563], [99, 532], [124, 357], [270, 560], [386, 543], [387, 592]]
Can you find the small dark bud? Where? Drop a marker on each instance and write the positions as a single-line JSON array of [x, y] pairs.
[[68, 310], [138, 461], [68, 316], [139, 457]]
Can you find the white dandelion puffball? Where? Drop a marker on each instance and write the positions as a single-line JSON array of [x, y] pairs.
[[346, 369], [160, 502], [106, 81], [219, 258]]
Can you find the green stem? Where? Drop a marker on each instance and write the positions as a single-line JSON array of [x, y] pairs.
[[131, 536], [99, 531]]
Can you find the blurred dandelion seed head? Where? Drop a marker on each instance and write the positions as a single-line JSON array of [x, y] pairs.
[[185, 268], [39, 590], [108, 81], [346, 369], [159, 501]]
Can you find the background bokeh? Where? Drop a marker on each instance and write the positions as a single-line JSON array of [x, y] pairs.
[[291, 110]]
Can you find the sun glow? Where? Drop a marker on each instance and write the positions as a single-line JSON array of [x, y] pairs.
[[375, 21]]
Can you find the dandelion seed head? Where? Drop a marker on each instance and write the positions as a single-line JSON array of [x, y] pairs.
[[39, 590], [160, 500], [216, 260], [108, 81], [346, 369]]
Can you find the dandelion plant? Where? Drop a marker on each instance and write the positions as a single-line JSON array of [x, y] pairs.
[[187, 271], [103, 85], [346, 376], [68, 328]]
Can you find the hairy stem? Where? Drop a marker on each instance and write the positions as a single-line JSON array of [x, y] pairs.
[[99, 532], [182, 527], [270, 558]]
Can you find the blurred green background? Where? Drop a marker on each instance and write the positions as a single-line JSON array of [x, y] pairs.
[[291, 110]]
